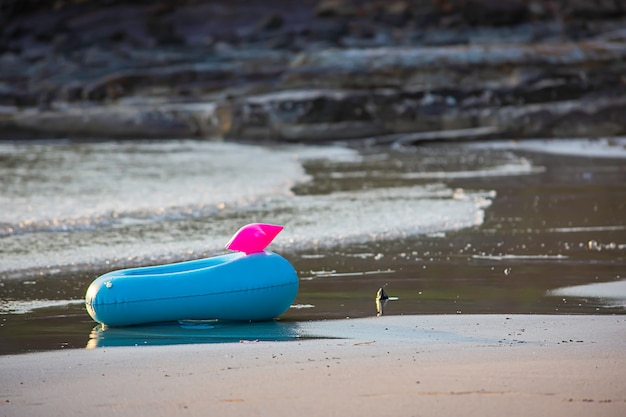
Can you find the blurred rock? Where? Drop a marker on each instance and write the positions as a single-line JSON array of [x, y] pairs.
[[312, 70], [493, 12], [592, 9], [335, 8], [303, 115], [118, 121]]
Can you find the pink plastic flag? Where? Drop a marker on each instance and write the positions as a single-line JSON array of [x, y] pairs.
[[253, 237]]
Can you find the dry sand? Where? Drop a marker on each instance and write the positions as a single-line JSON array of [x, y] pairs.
[[463, 365]]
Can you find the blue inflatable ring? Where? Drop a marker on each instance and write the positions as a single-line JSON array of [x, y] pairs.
[[235, 287], [259, 286]]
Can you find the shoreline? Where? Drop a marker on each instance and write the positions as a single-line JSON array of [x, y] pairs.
[[479, 365]]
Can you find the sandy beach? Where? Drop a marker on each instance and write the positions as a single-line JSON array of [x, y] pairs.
[[470, 365]]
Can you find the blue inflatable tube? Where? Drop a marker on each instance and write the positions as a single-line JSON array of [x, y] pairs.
[[234, 287]]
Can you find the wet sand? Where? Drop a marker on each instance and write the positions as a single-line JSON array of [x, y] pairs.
[[470, 365]]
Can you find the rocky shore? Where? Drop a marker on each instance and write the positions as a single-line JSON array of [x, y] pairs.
[[406, 71]]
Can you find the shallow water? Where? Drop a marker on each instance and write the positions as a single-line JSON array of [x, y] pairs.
[[493, 227]]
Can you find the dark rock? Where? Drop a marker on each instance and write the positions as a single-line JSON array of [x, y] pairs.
[[272, 22], [163, 32], [493, 12], [331, 30], [302, 115], [335, 8], [593, 9], [118, 122], [110, 25], [478, 65], [424, 12], [397, 13], [478, 133], [579, 118]]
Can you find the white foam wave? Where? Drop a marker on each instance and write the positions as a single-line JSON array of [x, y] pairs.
[[60, 188], [381, 214], [614, 292], [25, 307], [520, 257], [596, 148], [520, 167], [185, 199]]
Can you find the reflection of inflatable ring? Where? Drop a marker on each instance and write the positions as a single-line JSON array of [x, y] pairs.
[[185, 332], [242, 287]]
